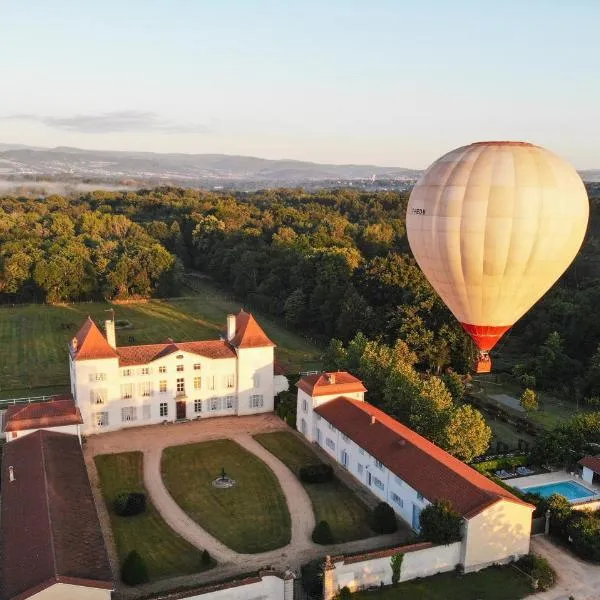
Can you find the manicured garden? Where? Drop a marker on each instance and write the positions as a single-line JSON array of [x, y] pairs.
[[332, 501], [37, 335], [250, 517], [164, 553], [494, 583]]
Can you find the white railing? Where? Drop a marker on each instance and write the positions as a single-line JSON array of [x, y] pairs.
[[27, 400]]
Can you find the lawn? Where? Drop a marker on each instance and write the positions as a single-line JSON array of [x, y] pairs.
[[251, 517], [333, 501], [166, 554], [37, 335], [494, 583], [552, 410]]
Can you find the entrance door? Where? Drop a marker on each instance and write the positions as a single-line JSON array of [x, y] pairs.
[[416, 518], [181, 409]]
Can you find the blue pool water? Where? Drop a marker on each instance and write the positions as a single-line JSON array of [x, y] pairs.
[[571, 490]]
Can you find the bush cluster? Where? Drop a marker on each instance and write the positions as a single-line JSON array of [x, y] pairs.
[[319, 473], [580, 529], [322, 534], [383, 519], [539, 569], [128, 504]]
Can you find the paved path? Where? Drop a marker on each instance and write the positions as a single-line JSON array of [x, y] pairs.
[[575, 577], [152, 440]]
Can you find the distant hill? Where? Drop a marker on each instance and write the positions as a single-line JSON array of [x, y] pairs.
[[204, 169]]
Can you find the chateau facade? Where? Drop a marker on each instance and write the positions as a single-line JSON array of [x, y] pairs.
[[127, 386]]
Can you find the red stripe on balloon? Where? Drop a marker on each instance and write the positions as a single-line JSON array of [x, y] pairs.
[[485, 336]]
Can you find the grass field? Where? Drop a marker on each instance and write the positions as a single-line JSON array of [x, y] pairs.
[[34, 337], [333, 501], [250, 517], [552, 410], [165, 553], [493, 583]]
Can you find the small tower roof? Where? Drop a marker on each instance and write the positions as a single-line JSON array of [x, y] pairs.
[[89, 343], [248, 333]]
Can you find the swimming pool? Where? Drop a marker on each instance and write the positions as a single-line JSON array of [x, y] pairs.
[[571, 490]]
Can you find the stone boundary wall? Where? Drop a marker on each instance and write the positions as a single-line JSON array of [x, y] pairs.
[[373, 569]]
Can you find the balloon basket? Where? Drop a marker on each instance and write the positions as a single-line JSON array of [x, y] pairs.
[[483, 365]]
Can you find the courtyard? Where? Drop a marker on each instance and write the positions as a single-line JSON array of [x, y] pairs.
[[268, 520]]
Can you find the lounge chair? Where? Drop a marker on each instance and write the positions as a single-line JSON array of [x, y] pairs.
[[524, 471], [502, 474]]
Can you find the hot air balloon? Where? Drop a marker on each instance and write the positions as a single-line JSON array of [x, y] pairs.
[[492, 226]]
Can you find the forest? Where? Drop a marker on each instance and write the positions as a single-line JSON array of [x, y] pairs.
[[330, 264]]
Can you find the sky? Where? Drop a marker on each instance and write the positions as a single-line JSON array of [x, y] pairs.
[[392, 83]]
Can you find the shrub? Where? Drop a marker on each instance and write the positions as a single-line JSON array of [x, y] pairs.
[[128, 504], [440, 523], [396, 564], [383, 519], [322, 534], [319, 473], [538, 568], [344, 594], [134, 571], [206, 558], [584, 531]]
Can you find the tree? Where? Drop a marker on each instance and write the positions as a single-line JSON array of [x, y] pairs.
[[431, 410], [529, 400], [467, 435], [440, 523], [455, 384]]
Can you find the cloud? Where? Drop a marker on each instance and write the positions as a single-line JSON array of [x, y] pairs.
[[113, 122]]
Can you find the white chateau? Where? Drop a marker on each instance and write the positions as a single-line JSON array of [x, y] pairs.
[[125, 386]]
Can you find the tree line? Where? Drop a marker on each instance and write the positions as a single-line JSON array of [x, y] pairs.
[[330, 263]]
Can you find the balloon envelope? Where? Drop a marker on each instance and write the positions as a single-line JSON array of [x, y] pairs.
[[493, 225]]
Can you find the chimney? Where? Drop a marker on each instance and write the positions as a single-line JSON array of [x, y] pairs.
[[231, 322], [109, 328], [373, 420], [330, 377], [11, 473], [74, 343]]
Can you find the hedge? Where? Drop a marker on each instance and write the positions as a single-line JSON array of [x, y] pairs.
[[318, 473], [497, 464], [129, 504]]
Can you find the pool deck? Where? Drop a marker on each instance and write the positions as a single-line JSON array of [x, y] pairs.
[[555, 477]]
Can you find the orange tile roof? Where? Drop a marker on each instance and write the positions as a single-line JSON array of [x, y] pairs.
[[90, 343], [37, 415], [248, 333], [324, 384], [49, 530], [141, 355], [591, 462], [423, 465]]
